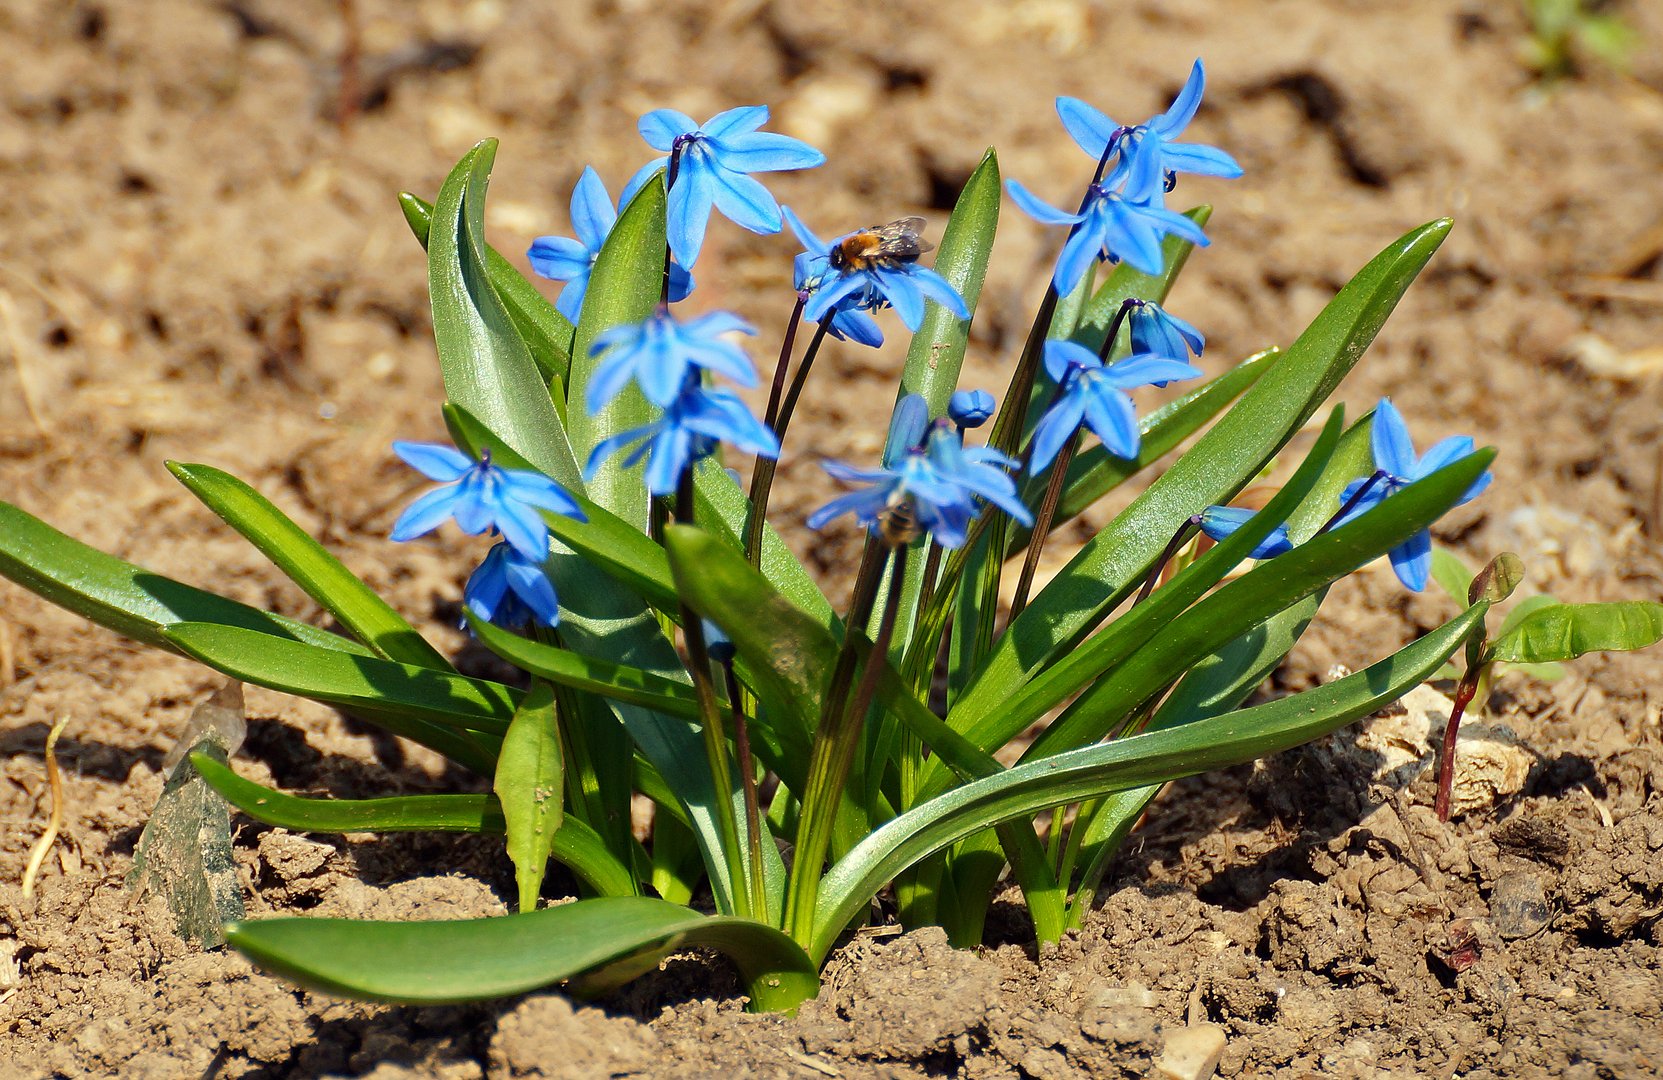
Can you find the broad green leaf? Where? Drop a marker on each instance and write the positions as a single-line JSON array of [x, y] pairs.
[[319, 574], [530, 782], [365, 686], [721, 505], [937, 349], [432, 963], [1270, 587], [545, 331], [623, 288], [487, 368], [1567, 631], [1094, 771], [125, 598], [1222, 461], [1524, 607]]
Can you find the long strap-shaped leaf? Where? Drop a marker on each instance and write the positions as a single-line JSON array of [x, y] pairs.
[[567, 668], [322, 576], [487, 368], [1556, 632], [125, 598], [1098, 770], [545, 331], [432, 963], [1226, 458], [575, 844]]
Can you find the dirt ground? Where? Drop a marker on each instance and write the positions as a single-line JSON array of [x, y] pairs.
[[201, 258]]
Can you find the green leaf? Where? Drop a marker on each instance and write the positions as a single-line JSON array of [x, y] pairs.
[[487, 368], [624, 287], [420, 703], [1224, 460], [322, 576], [1098, 770], [937, 349], [618, 682], [1567, 631], [545, 331], [125, 598], [1496, 582], [1453, 576], [432, 963], [721, 505], [1525, 607], [529, 782]]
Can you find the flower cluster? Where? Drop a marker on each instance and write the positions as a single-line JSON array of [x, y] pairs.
[[1124, 217]]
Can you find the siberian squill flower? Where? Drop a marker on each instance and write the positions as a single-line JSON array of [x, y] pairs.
[[1219, 522], [694, 423], [510, 590], [1156, 330], [561, 258], [659, 352], [936, 486], [902, 285], [1112, 227], [482, 496], [1396, 467], [849, 323], [1094, 394], [1150, 150], [971, 408], [714, 160]]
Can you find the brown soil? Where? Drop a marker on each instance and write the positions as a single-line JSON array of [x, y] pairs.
[[200, 258]]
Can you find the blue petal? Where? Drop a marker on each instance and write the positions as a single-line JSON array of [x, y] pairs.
[[681, 283], [534, 589], [858, 327], [690, 203], [671, 454], [1078, 254], [425, 514], [851, 474], [903, 294], [559, 258], [605, 449], [735, 121], [592, 211], [939, 289], [535, 489], [1037, 208], [827, 297], [1086, 125], [570, 301], [1199, 160], [1145, 180], [487, 585], [661, 126], [1111, 415], [608, 380], [715, 323], [1443, 452], [1062, 355], [746, 202], [865, 505], [435, 461], [805, 236], [1147, 368], [907, 425], [1054, 429], [1412, 560], [765, 151], [1171, 123], [1128, 235], [1393, 451], [1220, 522]]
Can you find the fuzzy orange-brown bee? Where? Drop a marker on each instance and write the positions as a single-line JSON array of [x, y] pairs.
[[880, 245]]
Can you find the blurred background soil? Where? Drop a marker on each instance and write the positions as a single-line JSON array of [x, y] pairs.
[[201, 258]]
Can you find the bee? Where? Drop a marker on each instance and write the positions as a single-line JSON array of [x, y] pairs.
[[897, 525], [880, 245]]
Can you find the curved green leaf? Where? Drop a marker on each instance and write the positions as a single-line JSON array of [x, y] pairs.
[[431, 963], [530, 785], [322, 576], [623, 288], [567, 668], [1094, 771], [363, 685], [125, 598], [545, 331], [1567, 631], [487, 368], [720, 504], [1225, 459]]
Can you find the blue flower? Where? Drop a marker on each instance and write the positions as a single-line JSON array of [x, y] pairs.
[[1397, 467], [1091, 393], [714, 160], [1219, 522], [1112, 227], [561, 258], [971, 408], [1148, 151], [510, 590], [902, 285], [937, 485], [482, 496], [1158, 331], [692, 426], [659, 353], [849, 322]]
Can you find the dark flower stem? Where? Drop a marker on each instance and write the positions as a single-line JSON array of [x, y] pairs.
[[1170, 552], [1464, 693], [837, 734], [787, 345], [1351, 503], [1042, 522], [747, 778], [715, 740], [669, 182], [762, 478]]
